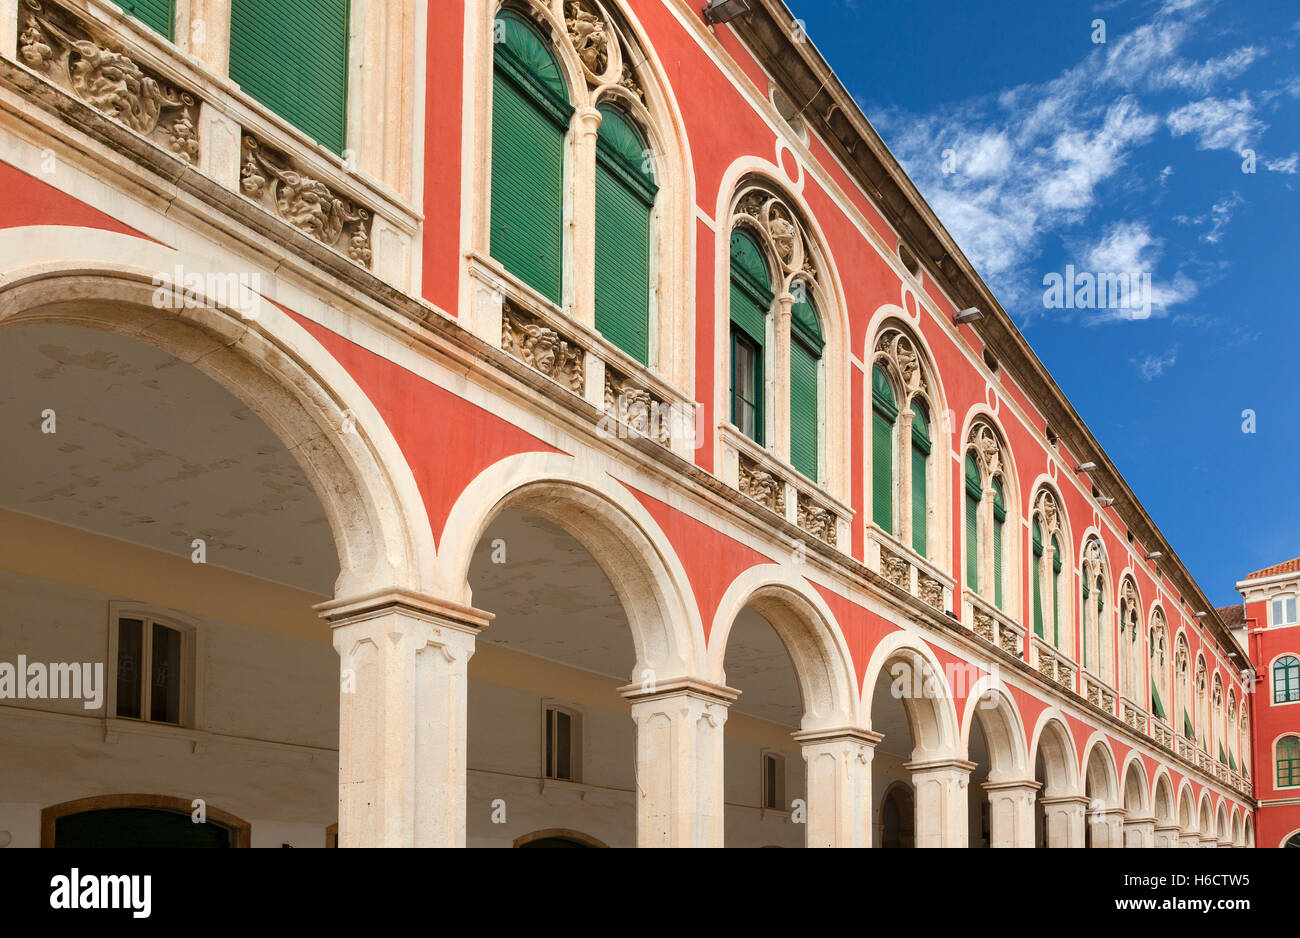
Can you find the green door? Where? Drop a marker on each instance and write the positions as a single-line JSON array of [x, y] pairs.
[[136, 827]]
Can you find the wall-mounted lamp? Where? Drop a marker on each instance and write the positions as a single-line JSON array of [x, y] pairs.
[[1105, 502], [1155, 555], [724, 11], [1201, 615], [1085, 467], [974, 314]]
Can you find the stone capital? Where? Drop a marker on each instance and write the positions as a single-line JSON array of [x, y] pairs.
[[351, 610], [705, 691]]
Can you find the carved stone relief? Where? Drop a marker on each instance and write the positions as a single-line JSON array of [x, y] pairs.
[[542, 349], [762, 486], [818, 521]]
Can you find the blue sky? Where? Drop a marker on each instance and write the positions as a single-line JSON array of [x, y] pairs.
[[1039, 147]]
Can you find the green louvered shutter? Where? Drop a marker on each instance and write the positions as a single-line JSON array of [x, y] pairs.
[[972, 523], [158, 15], [530, 118], [1056, 592], [1188, 730], [625, 198], [1038, 586], [920, 477], [884, 412], [1232, 762], [1157, 705], [751, 300], [999, 523], [292, 55], [1083, 625], [1223, 756], [806, 346]]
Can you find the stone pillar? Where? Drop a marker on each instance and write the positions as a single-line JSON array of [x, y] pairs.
[[402, 717], [679, 755], [1140, 832], [1065, 819], [903, 470], [1107, 827], [1166, 836], [582, 226], [941, 806], [205, 33], [1011, 813], [838, 766], [780, 401], [984, 522]]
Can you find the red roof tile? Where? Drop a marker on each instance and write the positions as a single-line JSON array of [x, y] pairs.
[[1233, 616], [1290, 566]]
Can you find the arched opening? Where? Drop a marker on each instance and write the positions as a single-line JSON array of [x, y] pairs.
[[1223, 831], [897, 817], [1059, 806], [1205, 821], [1167, 824], [1138, 827], [784, 743], [557, 839], [139, 821], [1105, 824], [912, 712], [1001, 794]]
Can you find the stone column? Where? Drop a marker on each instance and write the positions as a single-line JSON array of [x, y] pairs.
[[941, 806], [1166, 836], [779, 408], [1065, 819], [679, 755], [1189, 840], [984, 523], [838, 766], [582, 226], [1011, 813], [205, 33], [1107, 827], [402, 717], [1140, 832], [904, 472]]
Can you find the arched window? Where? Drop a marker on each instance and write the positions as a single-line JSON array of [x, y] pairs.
[[1288, 761], [1045, 576], [1232, 730], [530, 122], [1129, 632], [1286, 679], [625, 201], [884, 416], [1182, 674], [1158, 651], [806, 345], [751, 303], [1037, 577], [1092, 615], [292, 56], [1216, 700], [985, 509], [1203, 728]]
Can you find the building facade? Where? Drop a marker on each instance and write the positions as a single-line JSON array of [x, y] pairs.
[[1266, 620], [546, 423]]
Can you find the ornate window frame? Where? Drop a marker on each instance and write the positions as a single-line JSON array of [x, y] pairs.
[[1099, 658], [1158, 645], [985, 440], [1053, 522], [1130, 640]]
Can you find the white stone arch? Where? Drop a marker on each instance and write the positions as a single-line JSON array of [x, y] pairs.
[[991, 703], [1131, 638], [1134, 787], [1221, 829], [1187, 814], [1052, 737], [1201, 696], [612, 526], [1183, 678], [1160, 658], [1238, 837], [1205, 816], [1249, 832], [979, 426], [932, 713], [743, 175], [823, 663], [1097, 639], [1048, 509], [1163, 805], [265, 358], [888, 336], [1099, 769]]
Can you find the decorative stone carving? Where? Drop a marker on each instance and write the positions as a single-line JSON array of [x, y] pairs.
[[1048, 515], [988, 449], [762, 486], [895, 569], [984, 626], [1009, 641], [818, 521], [1094, 694], [542, 349], [1064, 674], [896, 352], [589, 34], [63, 48], [776, 225], [639, 409], [308, 204], [931, 590]]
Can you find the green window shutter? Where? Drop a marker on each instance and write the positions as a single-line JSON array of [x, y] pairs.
[[1223, 756], [1083, 626], [884, 413], [625, 198], [751, 287], [158, 15], [1188, 730], [920, 477], [530, 119], [999, 525], [746, 385], [1156, 705], [972, 523], [1232, 762], [292, 56], [1286, 680], [803, 408], [1037, 576]]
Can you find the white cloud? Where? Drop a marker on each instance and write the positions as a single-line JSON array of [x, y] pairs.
[[1218, 123], [1217, 218], [1289, 164], [1153, 366], [1201, 76]]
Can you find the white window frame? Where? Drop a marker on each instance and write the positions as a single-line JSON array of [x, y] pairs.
[[1281, 600], [190, 638], [577, 729], [779, 800]]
